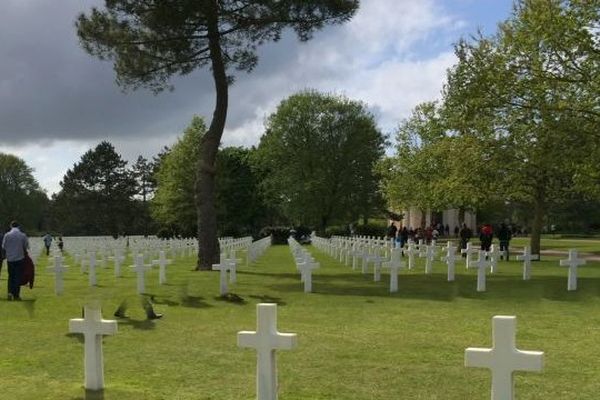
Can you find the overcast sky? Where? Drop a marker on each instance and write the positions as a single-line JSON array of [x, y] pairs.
[[56, 102]]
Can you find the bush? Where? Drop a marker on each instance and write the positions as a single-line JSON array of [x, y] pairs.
[[339, 230], [279, 234], [370, 230]]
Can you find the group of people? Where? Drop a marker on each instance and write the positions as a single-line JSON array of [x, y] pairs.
[[486, 234], [48, 239], [15, 245]]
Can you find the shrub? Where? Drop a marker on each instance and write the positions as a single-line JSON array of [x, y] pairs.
[[279, 234]]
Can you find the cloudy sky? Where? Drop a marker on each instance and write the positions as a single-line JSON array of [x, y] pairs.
[[56, 101]]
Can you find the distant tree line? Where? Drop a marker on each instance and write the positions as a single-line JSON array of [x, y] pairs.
[[314, 167]]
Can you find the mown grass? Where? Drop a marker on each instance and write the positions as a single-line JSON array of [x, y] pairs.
[[591, 246], [356, 341]]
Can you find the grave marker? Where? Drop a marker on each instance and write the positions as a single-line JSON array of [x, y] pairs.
[[572, 262], [527, 257], [450, 259], [266, 340], [92, 326], [503, 358]]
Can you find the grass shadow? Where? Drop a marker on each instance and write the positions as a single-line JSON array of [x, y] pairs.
[[144, 325], [29, 305], [193, 301], [268, 299], [231, 298]]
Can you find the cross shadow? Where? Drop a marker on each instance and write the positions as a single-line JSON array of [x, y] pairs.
[[76, 336], [94, 395], [91, 395]]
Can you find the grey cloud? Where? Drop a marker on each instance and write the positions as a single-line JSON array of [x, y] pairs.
[[51, 89]]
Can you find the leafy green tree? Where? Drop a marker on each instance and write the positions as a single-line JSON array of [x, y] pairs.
[[97, 194], [142, 171], [241, 208], [530, 93], [21, 197], [152, 40], [319, 153], [239, 205], [174, 199]]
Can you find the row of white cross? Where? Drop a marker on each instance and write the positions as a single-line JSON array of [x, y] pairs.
[[140, 267], [305, 263], [384, 255], [503, 358], [228, 262]]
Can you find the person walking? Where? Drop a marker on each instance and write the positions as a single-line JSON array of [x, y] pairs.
[[15, 245], [485, 237], [465, 235], [1, 250], [504, 236], [391, 233], [47, 242], [61, 245]]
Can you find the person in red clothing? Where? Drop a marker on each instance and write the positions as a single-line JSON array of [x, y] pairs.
[[486, 236]]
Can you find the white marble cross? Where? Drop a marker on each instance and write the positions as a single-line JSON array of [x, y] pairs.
[[306, 266], [527, 257], [572, 262], [395, 264], [411, 252], [58, 270], [450, 259], [140, 269], [266, 340], [481, 264], [494, 255], [92, 269], [232, 261], [162, 263], [92, 326], [468, 251], [222, 267], [429, 257], [504, 358], [118, 258]]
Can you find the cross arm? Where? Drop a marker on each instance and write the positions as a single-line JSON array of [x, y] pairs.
[[286, 341], [478, 357], [247, 339]]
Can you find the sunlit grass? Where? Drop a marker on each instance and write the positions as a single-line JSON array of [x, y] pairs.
[[356, 341]]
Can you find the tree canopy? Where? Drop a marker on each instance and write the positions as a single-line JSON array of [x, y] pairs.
[[150, 40], [318, 155], [21, 197], [96, 195]]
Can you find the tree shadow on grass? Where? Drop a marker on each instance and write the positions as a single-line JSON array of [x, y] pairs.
[[436, 287], [285, 275]]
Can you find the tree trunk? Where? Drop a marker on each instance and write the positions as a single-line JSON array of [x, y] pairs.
[[538, 222], [208, 244]]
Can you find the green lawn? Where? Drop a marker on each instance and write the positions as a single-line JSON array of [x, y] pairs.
[[591, 246], [356, 341]]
